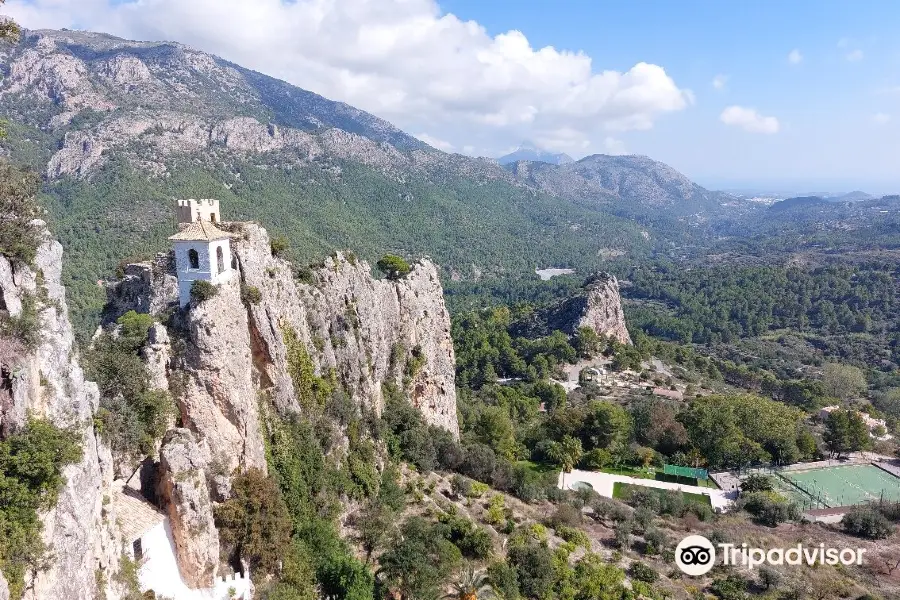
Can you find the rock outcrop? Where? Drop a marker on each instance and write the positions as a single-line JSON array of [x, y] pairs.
[[184, 496], [369, 332], [601, 308], [217, 397], [46, 382], [597, 306], [147, 287]]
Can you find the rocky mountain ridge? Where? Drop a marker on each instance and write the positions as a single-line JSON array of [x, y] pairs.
[[158, 100]]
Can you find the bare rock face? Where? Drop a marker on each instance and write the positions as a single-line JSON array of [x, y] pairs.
[[218, 398], [598, 306], [147, 287], [369, 332], [602, 308], [184, 495], [47, 382], [156, 354], [4, 588]]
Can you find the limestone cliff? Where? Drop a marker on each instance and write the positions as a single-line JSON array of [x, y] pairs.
[[597, 306], [600, 308], [47, 382], [366, 332], [370, 332], [183, 471]]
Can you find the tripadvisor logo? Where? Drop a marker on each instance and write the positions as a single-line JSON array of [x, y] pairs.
[[695, 555]]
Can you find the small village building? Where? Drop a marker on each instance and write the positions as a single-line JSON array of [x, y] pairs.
[[148, 540], [202, 250]]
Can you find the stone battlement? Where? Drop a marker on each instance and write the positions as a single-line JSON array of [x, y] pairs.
[[192, 210]]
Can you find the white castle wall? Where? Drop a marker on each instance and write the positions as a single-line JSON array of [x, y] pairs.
[[159, 572], [207, 268]]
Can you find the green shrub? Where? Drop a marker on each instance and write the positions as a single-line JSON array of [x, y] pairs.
[[279, 245], [867, 522], [642, 572], [769, 508], [250, 294], [478, 489], [460, 485], [19, 241], [573, 536], [254, 524], [135, 325], [473, 541], [393, 266], [31, 465], [202, 290], [132, 416]]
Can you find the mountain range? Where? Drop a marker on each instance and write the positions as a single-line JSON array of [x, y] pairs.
[[120, 129]]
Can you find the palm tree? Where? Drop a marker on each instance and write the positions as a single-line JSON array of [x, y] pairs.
[[471, 585]]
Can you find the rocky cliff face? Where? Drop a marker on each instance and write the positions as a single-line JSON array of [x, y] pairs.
[[600, 308], [362, 332], [370, 332], [47, 382], [184, 495]]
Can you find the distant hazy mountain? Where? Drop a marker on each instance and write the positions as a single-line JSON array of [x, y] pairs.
[[636, 185], [528, 151], [800, 202], [854, 196]]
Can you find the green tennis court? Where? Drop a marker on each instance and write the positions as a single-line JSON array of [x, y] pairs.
[[841, 486]]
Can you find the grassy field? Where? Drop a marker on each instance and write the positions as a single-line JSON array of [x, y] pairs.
[[622, 491], [638, 473]]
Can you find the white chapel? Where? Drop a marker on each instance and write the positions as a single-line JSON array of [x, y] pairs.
[[202, 250]]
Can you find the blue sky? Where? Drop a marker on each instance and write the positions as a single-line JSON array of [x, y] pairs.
[[826, 105], [580, 76]]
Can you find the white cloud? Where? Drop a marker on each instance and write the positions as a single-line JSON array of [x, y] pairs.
[[855, 55], [719, 81], [749, 120], [795, 57], [613, 146], [881, 118], [403, 60], [435, 142]]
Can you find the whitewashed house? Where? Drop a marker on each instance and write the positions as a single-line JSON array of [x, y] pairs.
[[148, 541]]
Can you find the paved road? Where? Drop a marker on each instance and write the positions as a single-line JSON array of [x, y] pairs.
[[603, 485]]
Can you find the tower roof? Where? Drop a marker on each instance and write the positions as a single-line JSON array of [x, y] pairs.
[[199, 231]]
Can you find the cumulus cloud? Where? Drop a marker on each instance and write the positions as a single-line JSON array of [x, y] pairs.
[[881, 118], [749, 120], [403, 60], [795, 57], [855, 55], [719, 81]]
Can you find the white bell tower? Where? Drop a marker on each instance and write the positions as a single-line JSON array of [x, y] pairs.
[[202, 250]]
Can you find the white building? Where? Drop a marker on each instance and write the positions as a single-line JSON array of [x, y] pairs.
[[149, 542], [202, 250]]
